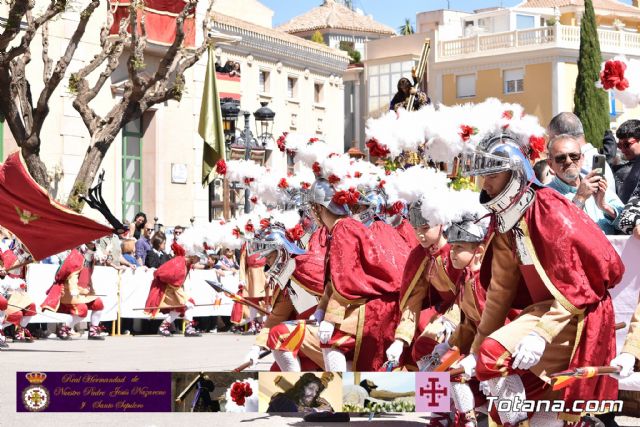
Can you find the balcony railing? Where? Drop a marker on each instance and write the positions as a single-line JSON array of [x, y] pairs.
[[557, 36]]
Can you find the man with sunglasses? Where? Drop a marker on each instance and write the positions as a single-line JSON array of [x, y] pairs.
[[589, 192], [143, 245]]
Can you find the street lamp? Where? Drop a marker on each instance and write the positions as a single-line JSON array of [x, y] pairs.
[[264, 123], [230, 109]]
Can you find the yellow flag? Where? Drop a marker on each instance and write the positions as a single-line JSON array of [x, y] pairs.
[[210, 127]]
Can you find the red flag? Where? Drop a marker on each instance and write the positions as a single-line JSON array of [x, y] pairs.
[[44, 226]]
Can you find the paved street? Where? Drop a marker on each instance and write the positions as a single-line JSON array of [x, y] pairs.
[[212, 352]]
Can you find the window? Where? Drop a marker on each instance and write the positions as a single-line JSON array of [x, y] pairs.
[[485, 24], [318, 95], [263, 82], [466, 86], [132, 169], [524, 22], [383, 83], [292, 87], [513, 80]]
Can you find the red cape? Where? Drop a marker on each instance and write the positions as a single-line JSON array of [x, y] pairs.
[[309, 272], [72, 264], [407, 233], [27, 210], [368, 263], [582, 265], [171, 273]]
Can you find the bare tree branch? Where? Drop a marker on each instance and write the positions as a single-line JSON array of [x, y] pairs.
[[17, 11], [48, 63], [111, 50], [138, 45], [174, 49], [55, 8], [52, 83]]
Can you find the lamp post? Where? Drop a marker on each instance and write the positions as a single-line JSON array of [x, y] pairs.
[[245, 139]]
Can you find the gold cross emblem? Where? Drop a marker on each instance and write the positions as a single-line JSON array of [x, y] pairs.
[[26, 216]]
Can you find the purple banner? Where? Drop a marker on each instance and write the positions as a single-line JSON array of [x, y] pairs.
[[93, 391]]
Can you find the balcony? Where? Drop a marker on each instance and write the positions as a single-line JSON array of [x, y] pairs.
[[557, 36]]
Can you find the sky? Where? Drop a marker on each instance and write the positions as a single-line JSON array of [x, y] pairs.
[[392, 13]]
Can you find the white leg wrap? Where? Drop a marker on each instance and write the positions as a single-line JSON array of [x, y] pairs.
[[74, 321], [334, 360], [173, 315], [25, 321], [253, 313], [462, 397], [546, 419], [508, 388], [188, 314], [287, 361], [95, 317]]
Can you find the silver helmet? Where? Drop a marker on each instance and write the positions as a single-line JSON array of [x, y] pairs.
[[321, 193], [501, 152], [375, 203], [416, 219], [470, 229]]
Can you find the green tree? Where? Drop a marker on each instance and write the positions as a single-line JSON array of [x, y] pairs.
[[406, 28], [318, 37], [590, 103]]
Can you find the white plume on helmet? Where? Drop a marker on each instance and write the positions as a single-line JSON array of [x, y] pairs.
[[466, 203], [192, 239]]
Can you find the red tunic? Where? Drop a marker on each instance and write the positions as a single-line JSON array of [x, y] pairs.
[[581, 265], [72, 264], [172, 273], [309, 272], [363, 264], [407, 232]]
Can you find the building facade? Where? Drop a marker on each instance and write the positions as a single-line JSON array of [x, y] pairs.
[[154, 165]]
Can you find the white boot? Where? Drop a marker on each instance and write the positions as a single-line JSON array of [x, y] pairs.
[[287, 361], [334, 360]]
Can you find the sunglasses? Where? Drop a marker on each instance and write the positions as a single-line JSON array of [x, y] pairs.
[[625, 145], [148, 229], [561, 158]]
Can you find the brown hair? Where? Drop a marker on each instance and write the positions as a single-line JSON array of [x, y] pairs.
[[158, 239]]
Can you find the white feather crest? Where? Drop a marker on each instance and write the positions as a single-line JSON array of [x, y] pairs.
[[412, 184], [192, 239], [467, 202], [436, 207]]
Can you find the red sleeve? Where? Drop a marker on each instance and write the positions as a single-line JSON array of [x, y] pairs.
[[310, 266], [574, 252], [172, 272], [72, 264]]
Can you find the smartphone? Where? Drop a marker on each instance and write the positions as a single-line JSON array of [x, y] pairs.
[[599, 161]]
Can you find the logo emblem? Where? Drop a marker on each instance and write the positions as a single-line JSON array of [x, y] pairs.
[[26, 216], [433, 392], [36, 397]]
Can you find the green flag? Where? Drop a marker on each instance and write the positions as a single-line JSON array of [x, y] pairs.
[[210, 127]]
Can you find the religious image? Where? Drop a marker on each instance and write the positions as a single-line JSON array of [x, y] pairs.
[[300, 393], [215, 392], [378, 392]]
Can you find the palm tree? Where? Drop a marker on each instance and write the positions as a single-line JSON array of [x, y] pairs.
[[406, 28]]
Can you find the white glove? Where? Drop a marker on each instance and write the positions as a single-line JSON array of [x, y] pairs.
[[469, 365], [325, 331], [395, 351], [189, 305], [318, 315], [529, 351], [484, 388], [74, 293], [253, 355], [625, 361], [449, 328], [441, 349]]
